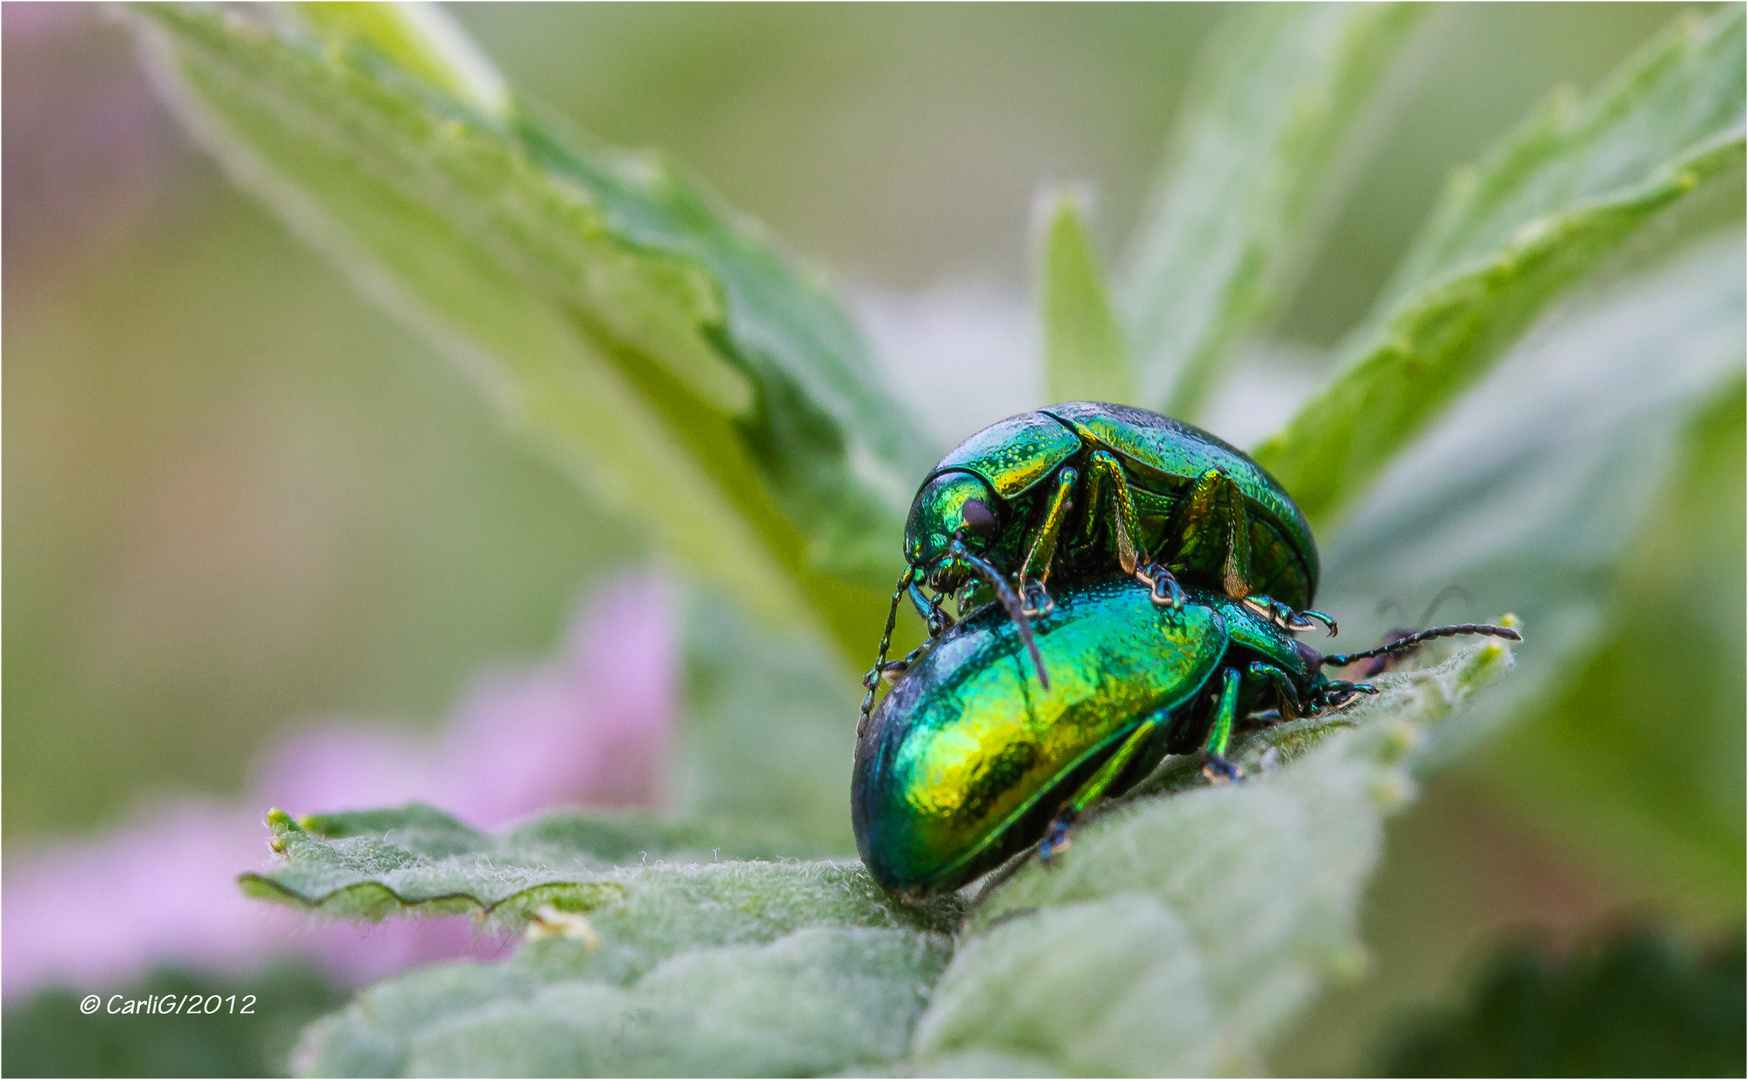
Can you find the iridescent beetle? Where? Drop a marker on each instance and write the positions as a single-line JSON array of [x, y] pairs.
[[969, 761], [1094, 487]]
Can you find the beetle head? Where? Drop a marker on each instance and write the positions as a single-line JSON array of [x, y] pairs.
[[953, 504], [953, 524]]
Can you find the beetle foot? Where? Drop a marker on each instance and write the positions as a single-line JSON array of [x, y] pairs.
[[1329, 627], [1339, 695], [1166, 591], [1220, 771], [1058, 836], [1037, 601], [1286, 618]]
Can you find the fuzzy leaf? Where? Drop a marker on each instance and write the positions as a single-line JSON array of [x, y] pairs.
[[650, 340], [1177, 935], [1086, 357], [671, 963], [814, 1001], [1275, 123], [1543, 210], [420, 861]]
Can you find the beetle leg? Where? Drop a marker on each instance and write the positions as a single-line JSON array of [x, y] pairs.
[[1056, 837], [1282, 682], [1124, 524], [1214, 513], [918, 600], [889, 672], [937, 620], [1043, 550], [1095, 499], [1214, 764]]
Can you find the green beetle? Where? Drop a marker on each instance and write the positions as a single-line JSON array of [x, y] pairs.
[[969, 761], [1091, 486]]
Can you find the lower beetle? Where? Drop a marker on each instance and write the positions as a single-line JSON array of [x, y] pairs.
[[969, 761]]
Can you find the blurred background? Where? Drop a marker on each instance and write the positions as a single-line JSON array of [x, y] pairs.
[[241, 502]]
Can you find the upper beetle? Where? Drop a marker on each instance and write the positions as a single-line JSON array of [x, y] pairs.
[[1099, 486]]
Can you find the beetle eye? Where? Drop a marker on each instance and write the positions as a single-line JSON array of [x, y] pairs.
[[978, 519]]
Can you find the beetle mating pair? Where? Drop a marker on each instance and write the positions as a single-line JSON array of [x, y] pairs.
[[970, 760]]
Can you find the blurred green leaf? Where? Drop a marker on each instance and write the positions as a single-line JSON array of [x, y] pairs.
[[1179, 934], [421, 40], [817, 1000], [420, 861], [1262, 150], [47, 1035], [1603, 762], [751, 754], [649, 339], [1638, 1004], [1541, 212], [1535, 494], [1086, 357]]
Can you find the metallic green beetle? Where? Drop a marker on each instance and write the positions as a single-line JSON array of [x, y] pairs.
[[1092, 486], [969, 760]]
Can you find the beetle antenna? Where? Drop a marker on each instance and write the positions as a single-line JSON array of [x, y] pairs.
[[1412, 641], [1011, 602], [872, 679]]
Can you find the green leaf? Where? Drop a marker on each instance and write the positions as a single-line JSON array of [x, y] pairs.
[[1273, 128], [817, 1000], [422, 41], [1086, 357], [646, 337], [671, 962], [1568, 487], [1177, 935], [1542, 211], [420, 861]]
